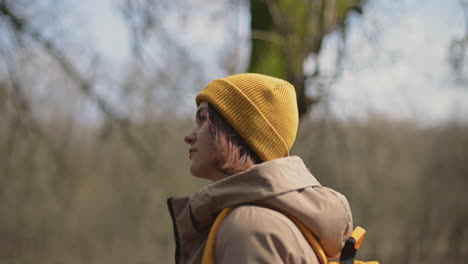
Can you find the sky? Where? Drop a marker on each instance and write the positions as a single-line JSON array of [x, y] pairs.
[[396, 63], [106, 28], [405, 70]]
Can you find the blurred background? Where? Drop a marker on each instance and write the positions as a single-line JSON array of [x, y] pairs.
[[96, 96]]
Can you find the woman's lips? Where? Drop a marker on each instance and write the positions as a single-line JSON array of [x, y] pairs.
[[191, 151]]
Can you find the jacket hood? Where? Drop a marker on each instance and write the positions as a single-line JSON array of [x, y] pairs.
[[285, 184]]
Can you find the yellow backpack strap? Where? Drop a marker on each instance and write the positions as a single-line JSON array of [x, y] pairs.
[[314, 244], [356, 262], [208, 253], [348, 253]]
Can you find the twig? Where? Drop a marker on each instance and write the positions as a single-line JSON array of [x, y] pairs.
[[20, 24], [267, 36]]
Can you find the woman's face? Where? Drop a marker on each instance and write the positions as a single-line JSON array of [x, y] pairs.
[[202, 153]]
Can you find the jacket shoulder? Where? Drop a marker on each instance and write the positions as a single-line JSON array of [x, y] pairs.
[[252, 234]]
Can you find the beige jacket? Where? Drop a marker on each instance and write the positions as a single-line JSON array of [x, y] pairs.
[[256, 234]]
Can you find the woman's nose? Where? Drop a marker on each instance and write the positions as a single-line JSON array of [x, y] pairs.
[[190, 138]]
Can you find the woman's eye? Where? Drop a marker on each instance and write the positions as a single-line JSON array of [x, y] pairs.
[[200, 119]]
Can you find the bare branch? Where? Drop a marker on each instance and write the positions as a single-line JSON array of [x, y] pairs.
[[134, 13], [278, 18], [458, 48], [317, 25], [267, 36], [20, 24]]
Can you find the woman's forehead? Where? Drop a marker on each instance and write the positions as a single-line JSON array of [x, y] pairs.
[[203, 104]]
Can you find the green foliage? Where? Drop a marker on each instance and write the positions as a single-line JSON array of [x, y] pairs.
[[286, 32], [297, 22], [270, 60], [266, 57]]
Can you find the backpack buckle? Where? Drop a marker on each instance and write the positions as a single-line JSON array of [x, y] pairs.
[[352, 244]]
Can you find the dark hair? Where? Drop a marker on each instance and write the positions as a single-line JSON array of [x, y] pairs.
[[234, 153]]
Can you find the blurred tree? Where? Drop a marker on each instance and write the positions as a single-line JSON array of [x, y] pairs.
[[286, 32], [458, 50]]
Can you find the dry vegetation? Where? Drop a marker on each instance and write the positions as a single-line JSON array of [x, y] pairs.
[[74, 191], [406, 184], [81, 196]]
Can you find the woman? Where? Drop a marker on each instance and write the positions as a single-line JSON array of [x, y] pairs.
[[245, 126]]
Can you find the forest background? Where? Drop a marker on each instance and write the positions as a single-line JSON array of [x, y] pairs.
[[96, 96]]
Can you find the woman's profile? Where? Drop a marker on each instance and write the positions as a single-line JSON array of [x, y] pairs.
[[245, 127]]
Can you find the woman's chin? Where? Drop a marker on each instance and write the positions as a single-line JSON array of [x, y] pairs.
[[204, 173], [197, 172]]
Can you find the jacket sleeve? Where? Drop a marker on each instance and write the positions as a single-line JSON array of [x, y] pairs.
[[253, 234]]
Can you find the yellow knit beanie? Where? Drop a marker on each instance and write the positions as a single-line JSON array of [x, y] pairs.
[[262, 110]]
